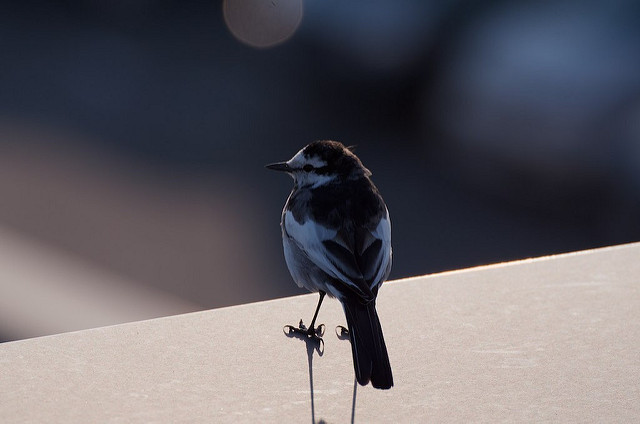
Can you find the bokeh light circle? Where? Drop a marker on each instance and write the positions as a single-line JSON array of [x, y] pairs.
[[262, 23]]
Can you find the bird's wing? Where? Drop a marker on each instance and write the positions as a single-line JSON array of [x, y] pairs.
[[329, 251], [375, 258], [371, 250], [361, 262]]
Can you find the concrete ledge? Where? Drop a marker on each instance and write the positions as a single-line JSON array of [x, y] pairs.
[[552, 339]]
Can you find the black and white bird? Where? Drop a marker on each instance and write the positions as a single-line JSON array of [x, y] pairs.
[[336, 234]]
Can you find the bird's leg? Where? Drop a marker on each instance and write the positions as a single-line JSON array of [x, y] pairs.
[[310, 331], [315, 314]]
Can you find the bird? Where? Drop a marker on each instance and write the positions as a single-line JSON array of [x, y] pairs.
[[336, 235]]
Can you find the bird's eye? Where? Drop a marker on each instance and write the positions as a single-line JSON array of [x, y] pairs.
[[307, 168]]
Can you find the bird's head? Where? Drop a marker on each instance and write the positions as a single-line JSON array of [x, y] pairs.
[[321, 162]]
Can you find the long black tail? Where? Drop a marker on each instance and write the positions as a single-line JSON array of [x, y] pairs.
[[370, 357]]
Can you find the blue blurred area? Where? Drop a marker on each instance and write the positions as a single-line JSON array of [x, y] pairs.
[[496, 130]]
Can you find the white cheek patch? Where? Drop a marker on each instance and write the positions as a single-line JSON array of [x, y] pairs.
[[316, 162], [311, 179], [299, 160]]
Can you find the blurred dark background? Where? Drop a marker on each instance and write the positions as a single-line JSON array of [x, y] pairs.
[[134, 133]]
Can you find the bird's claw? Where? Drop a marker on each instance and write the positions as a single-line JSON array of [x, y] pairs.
[[342, 332], [313, 332]]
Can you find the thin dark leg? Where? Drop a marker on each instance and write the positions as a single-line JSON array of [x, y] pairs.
[[315, 315]]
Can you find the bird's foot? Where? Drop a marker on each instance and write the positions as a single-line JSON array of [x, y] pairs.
[[301, 329], [342, 332]]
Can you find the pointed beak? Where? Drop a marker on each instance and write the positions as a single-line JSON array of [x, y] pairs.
[[280, 166]]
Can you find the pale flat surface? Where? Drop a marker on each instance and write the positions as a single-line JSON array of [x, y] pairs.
[[548, 340]]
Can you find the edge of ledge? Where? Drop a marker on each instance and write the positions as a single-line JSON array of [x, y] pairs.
[[497, 265], [516, 262]]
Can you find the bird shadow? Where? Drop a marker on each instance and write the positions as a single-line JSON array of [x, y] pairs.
[[313, 344], [343, 334], [316, 344]]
